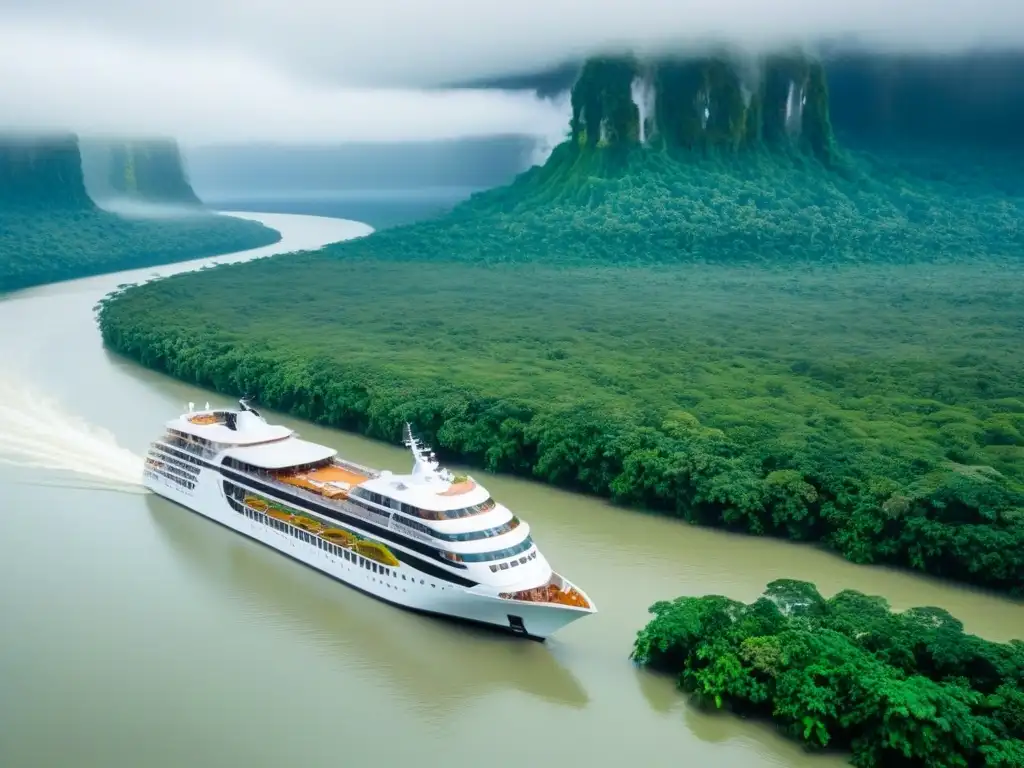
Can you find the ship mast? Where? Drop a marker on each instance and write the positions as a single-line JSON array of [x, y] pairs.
[[425, 466]]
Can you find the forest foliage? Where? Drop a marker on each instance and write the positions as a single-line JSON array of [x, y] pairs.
[[643, 206], [50, 228], [906, 688], [39, 247], [761, 340]]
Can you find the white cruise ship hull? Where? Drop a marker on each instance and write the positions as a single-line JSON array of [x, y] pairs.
[[404, 586]]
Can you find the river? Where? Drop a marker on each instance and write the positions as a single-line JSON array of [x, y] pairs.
[[134, 632]]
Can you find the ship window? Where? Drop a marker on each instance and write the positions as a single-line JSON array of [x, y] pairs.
[[494, 569], [500, 554], [503, 566]]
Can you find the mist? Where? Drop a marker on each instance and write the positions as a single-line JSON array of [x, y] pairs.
[[308, 72]]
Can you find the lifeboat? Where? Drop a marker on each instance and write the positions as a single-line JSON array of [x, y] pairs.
[[256, 503], [374, 551], [306, 524], [339, 537]]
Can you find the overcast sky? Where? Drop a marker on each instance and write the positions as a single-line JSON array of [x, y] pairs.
[[314, 70]]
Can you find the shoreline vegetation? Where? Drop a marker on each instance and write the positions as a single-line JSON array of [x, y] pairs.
[[847, 673], [736, 322], [51, 229]]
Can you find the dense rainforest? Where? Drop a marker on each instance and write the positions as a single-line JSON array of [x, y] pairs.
[[702, 304], [51, 229], [847, 672]]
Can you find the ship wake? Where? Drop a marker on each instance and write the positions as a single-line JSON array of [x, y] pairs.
[[38, 433]]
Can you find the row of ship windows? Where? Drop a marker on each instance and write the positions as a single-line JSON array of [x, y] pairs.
[[181, 466], [190, 443], [316, 541], [186, 484], [425, 514], [486, 533], [180, 444], [495, 554], [495, 567], [357, 494]]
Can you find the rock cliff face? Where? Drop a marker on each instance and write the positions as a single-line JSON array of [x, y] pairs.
[[38, 173], [149, 171], [152, 171], [704, 103], [967, 100]]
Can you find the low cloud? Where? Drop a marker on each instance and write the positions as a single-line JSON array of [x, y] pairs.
[[53, 79], [311, 71]]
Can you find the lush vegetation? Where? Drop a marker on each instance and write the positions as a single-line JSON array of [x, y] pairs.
[[51, 230], [664, 206], [759, 336], [38, 247], [896, 689]]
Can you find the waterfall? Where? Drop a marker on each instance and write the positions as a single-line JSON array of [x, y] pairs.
[[795, 101], [642, 92]]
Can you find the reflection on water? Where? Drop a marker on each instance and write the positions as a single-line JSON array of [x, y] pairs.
[[445, 664]]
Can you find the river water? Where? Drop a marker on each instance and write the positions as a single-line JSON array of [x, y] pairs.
[[133, 632]]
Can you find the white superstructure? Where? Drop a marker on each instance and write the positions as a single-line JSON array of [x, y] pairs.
[[428, 540]]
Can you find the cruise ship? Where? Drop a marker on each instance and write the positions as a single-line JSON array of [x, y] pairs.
[[428, 541]]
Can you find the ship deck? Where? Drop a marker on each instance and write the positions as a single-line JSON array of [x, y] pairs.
[[331, 481], [457, 489]]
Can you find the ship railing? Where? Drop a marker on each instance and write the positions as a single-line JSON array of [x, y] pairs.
[[371, 517], [557, 591], [357, 468]]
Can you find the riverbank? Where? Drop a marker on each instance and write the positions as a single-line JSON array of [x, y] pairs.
[[46, 246]]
